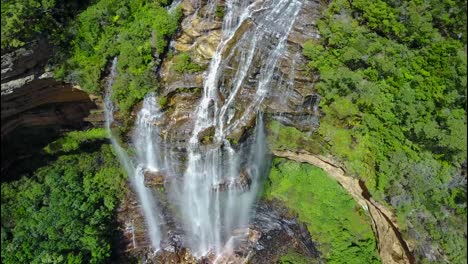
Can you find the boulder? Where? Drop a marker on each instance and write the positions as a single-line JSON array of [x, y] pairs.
[[154, 178], [241, 183], [206, 136], [206, 45]]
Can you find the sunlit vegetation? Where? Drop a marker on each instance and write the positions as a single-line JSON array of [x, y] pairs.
[[73, 140], [64, 212], [137, 32], [281, 137], [339, 226], [183, 63], [24, 20], [295, 258], [393, 81]]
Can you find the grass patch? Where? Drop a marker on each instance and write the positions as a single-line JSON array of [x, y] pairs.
[[296, 258], [282, 137], [335, 221], [72, 141]]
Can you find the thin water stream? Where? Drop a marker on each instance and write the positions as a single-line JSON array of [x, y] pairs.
[[217, 190]]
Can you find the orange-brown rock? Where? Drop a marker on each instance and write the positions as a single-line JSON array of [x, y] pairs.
[[154, 178]]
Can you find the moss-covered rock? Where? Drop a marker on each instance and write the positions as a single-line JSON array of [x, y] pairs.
[[282, 137]]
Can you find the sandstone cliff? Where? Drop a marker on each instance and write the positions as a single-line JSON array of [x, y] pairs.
[[35, 107]]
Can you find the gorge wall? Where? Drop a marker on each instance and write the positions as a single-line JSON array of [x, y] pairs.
[[35, 107], [291, 98]]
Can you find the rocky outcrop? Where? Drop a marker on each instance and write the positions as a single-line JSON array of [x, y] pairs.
[[154, 178], [393, 248], [291, 99], [273, 232], [35, 108], [240, 183]]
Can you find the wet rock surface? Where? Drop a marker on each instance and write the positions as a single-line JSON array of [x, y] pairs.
[[241, 183], [154, 178], [291, 99], [272, 233], [281, 233]]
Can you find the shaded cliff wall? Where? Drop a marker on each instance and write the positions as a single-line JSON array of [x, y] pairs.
[[36, 108]]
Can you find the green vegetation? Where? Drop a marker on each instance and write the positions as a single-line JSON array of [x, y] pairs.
[[64, 212], [162, 101], [282, 137], [183, 64], [137, 32], [72, 141], [393, 82], [219, 12], [23, 20], [295, 258], [334, 220]]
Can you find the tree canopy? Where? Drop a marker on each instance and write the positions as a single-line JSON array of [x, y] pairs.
[[65, 211], [393, 80]]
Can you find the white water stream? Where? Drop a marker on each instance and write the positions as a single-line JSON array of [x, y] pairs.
[[210, 216], [208, 212], [146, 157]]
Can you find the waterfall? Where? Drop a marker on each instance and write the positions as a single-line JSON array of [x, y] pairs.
[[210, 214], [172, 7], [216, 191], [145, 157]]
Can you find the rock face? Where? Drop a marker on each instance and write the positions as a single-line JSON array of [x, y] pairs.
[[291, 99], [241, 183], [273, 232], [154, 178], [35, 107]]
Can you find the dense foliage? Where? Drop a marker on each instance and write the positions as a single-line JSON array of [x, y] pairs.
[[295, 258], [393, 81], [281, 137], [182, 63], [64, 212], [137, 32], [334, 220], [23, 20], [73, 140]]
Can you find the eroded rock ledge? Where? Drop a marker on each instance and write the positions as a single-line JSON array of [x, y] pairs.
[[392, 247], [36, 108]]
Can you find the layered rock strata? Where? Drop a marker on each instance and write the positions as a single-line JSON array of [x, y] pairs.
[[291, 100], [35, 108]]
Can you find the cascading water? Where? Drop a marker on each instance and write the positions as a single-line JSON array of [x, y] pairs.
[[209, 214], [221, 181], [145, 140], [146, 156]]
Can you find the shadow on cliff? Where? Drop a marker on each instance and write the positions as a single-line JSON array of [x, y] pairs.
[[25, 134]]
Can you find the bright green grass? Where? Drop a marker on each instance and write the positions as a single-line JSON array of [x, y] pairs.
[[296, 258], [72, 141], [287, 137], [335, 221]]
